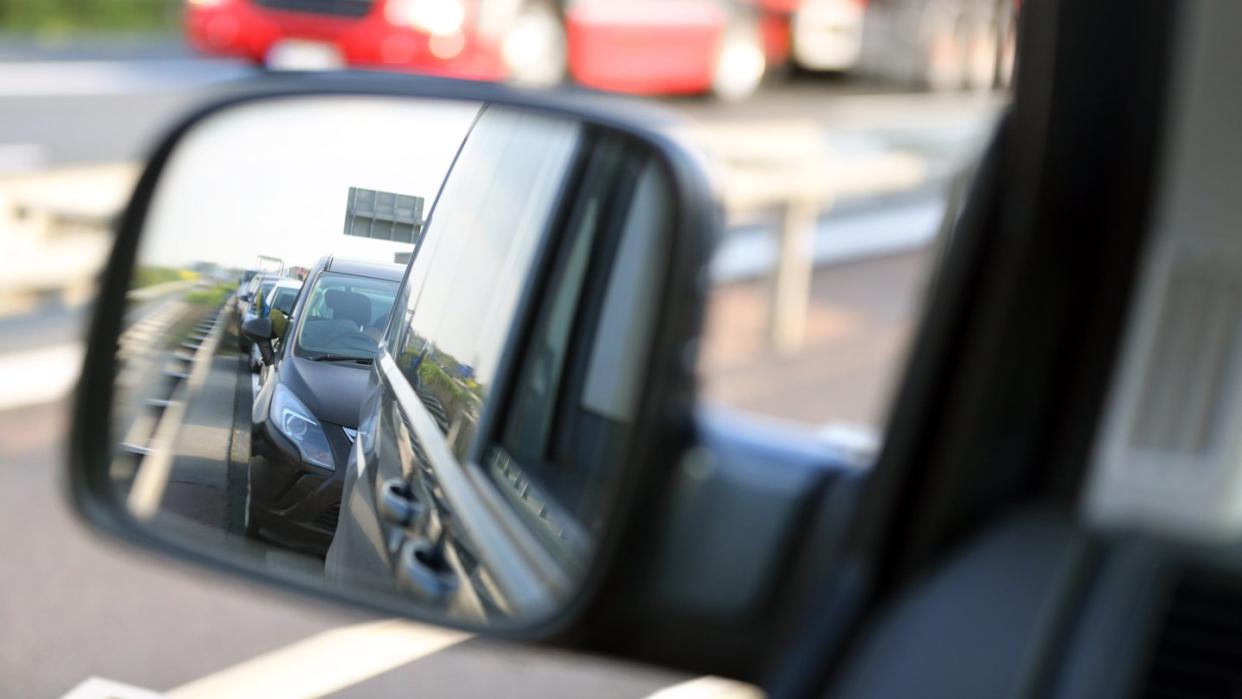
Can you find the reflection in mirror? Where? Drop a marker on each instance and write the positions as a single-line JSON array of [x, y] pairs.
[[392, 346]]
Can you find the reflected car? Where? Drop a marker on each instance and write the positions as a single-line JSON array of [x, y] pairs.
[[305, 415], [282, 297], [406, 523], [260, 287]]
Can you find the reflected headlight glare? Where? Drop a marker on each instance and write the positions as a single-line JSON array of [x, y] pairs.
[[206, 3], [297, 423], [439, 17]]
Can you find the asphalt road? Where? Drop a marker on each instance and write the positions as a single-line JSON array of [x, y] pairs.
[[73, 607]]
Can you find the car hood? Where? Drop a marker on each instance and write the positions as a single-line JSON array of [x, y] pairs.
[[333, 391]]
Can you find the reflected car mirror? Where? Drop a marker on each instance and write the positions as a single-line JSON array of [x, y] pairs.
[[260, 332], [258, 329]]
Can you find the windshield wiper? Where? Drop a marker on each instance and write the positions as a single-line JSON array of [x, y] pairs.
[[342, 358]]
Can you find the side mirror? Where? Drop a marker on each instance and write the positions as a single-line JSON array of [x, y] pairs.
[[545, 445], [259, 331]]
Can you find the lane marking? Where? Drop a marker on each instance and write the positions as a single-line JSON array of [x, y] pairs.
[[709, 687], [102, 688], [324, 663], [39, 376]]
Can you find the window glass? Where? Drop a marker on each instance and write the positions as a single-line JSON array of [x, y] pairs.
[[567, 425], [284, 298], [529, 420], [465, 283], [344, 317], [265, 288]]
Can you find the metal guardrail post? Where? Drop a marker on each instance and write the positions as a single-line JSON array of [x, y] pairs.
[[789, 301]]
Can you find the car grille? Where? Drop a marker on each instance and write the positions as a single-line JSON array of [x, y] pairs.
[[328, 518], [338, 8]]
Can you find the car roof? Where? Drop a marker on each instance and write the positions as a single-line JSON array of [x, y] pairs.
[[359, 268], [288, 283]]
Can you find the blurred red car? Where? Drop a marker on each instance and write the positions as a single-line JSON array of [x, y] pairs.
[[635, 46], [677, 46], [457, 38]]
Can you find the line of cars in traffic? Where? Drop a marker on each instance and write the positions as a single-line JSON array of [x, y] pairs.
[[311, 351], [651, 47]]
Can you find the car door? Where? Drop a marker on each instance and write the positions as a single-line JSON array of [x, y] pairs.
[[450, 321]]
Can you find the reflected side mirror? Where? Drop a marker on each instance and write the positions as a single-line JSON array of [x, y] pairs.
[[259, 330]]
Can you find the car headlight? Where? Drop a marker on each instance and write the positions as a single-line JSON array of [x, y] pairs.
[[297, 423], [441, 17]]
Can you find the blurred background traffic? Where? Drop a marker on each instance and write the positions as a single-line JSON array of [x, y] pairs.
[[841, 135]]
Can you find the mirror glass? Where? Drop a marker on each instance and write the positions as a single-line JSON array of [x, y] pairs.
[[392, 346]]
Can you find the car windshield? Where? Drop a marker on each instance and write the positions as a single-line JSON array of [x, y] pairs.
[[284, 298], [344, 317]]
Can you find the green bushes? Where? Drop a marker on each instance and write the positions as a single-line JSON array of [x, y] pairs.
[[211, 296], [53, 17], [151, 275]]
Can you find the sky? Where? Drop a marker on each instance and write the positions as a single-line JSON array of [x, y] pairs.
[[271, 178]]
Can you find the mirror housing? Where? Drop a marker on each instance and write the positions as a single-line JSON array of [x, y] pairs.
[[623, 603], [259, 331]]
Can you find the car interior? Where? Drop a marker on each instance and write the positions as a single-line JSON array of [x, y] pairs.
[[1056, 504]]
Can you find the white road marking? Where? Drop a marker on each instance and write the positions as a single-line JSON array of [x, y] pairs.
[[100, 688], [324, 663], [709, 688], [39, 376]]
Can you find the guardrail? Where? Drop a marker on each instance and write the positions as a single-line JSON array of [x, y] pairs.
[[791, 173], [55, 231], [152, 437], [60, 222]]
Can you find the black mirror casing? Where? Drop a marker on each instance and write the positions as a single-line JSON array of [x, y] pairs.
[[259, 330], [617, 601]]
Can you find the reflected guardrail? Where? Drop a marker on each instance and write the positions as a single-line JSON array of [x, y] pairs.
[[185, 372]]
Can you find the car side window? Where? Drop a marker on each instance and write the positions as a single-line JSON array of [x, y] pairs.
[[572, 403], [464, 287]]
